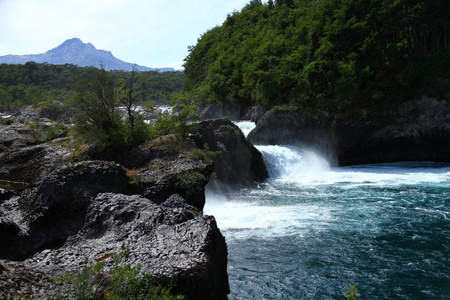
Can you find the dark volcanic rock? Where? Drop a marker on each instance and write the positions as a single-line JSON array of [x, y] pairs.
[[417, 130], [238, 162], [215, 111], [169, 241], [137, 157], [28, 166], [293, 127], [289, 126], [176, 173], [57, 217], [28, 127], [53, 211], [15, 135], [255, 113]]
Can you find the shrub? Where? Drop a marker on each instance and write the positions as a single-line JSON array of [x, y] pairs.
[[177, 125], [351, 292], [119, 282], [190, 184]]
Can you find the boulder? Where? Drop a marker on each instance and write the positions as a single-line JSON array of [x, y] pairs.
[[14, 136], [236, 161], [171, 242], [175, 173], [48, 214], [25, 128]]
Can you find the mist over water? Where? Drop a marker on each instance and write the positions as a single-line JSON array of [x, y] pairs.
[[290, 163], [311, 230]]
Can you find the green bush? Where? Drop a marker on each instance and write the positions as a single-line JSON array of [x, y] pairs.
[[351, 292], [177, 125], [117, 283], [191, 184]]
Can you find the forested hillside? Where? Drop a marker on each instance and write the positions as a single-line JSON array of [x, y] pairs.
[[33, 83], [332, 55]]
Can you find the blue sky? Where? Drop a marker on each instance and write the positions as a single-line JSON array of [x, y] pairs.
[[153, 33]]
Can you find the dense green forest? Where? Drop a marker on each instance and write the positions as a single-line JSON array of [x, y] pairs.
[[33, 83], [327, 55]]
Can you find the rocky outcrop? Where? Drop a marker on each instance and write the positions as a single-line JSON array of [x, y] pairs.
[[417, 130], [171, 242], [82, 212], [28, 166], [290, 126], [236, 161], [47, 215], [174, 174], [215, 111], [29, 127], [56, 217], [255, 113], [157, 173]]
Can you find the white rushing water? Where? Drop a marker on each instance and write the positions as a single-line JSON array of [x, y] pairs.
[[297, 178], [310, 229], [246, 126]]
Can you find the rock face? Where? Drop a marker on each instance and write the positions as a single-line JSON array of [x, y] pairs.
[[418, 130], [28, 166], [53, 211], [255, 113], [170, 241], [56, 217], [168, 175], [33, 126], [82, 210], [293, 127], [158, 173], [237, 161], [215, 111]]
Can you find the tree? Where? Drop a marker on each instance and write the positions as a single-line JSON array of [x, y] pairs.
[[95, 116], [327, 55], [128, 97]]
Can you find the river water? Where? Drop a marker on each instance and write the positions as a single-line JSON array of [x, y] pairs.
[[311, 230]]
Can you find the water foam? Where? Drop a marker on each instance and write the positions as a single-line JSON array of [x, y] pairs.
[[291, 163], [247, 219], [245, 126]]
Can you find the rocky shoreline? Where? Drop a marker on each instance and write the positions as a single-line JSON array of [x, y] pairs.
[[64, 208], [61, 211]]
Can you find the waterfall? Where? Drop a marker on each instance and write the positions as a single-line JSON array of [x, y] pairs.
[[245, 126], [291, 163], [312, 228]]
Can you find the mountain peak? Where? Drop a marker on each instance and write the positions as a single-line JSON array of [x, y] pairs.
[[74, 44], [74, 51], [72, 41]]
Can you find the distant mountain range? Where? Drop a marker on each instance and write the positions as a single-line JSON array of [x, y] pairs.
[[74, 51]]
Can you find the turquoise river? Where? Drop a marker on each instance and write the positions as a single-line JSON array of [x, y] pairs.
[[310, 230]]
